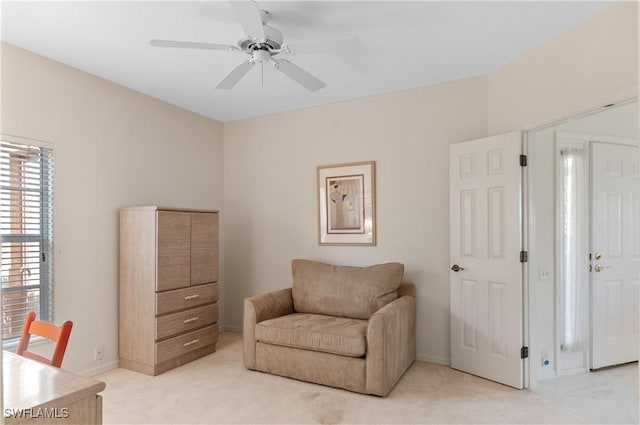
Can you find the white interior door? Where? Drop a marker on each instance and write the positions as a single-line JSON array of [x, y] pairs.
[[485, 181], [614, 249]]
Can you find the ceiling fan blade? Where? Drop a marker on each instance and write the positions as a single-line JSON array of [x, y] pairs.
[[191, 45], [235, 75], [343, 45], [249, 16], [299, 75]]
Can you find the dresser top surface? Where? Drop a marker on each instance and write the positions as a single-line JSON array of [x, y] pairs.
[[159, 208], [29, 384]]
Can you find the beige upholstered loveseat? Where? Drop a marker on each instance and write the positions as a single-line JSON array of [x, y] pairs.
[[346, 327]]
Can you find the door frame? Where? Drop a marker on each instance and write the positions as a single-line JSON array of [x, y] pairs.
[[530, 318], [525, 223]]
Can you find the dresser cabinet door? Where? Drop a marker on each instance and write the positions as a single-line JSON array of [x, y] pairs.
[[204, 248], [173, 250]]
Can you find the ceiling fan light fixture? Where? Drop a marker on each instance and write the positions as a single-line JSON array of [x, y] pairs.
[[261, 56]]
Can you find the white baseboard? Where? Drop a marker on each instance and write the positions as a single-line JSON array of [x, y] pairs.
[[445, 361], [545, 373], [96, 370]]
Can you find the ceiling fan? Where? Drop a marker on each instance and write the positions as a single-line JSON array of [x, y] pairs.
[[264, 44]]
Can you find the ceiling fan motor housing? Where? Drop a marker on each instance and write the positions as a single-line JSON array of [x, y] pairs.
[[273, 41]]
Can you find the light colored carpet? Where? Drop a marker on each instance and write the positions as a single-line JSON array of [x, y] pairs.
[[218, 389]]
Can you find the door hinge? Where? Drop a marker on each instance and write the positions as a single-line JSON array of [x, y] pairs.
[[523, 160], [43, 257], [524, 256], [524, 352]]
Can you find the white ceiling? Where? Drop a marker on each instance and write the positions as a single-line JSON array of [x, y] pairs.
[[404, 45]]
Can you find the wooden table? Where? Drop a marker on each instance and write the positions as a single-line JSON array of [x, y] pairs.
[[35, 393]]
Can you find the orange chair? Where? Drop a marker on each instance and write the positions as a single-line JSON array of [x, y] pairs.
[[57, 334]]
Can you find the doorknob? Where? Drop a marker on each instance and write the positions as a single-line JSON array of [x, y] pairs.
[[456, 268], [598, 268]]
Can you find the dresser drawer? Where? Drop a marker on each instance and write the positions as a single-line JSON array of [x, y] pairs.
[[184, 321], [180, 299], [174, 347]]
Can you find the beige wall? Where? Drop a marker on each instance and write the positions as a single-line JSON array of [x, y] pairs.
[[593, 64], [113, 147], [270, 192]]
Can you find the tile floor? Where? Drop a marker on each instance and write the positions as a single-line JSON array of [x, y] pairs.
[[607, 396]]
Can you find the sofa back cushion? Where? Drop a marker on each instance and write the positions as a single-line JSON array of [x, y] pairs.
[[353, 292]]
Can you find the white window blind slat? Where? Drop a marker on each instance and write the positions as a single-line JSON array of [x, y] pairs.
[[26, 217]]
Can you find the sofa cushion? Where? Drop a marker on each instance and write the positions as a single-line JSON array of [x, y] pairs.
[[354, 292], [316, 332]]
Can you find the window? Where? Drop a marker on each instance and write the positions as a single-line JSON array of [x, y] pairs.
[[26, 220], [572, 232]]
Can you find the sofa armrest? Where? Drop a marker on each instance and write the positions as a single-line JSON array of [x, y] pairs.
[[391, 344], [262, 307]]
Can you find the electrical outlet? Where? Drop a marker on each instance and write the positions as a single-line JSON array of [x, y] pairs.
[[544, 273], [98, 352]]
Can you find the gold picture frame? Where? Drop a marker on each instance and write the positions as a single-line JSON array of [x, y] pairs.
[[347, 207]]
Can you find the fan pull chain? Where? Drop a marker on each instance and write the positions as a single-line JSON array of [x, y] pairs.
[[262, 74]]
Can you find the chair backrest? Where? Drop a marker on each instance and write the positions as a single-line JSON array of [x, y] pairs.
[[58, 334]]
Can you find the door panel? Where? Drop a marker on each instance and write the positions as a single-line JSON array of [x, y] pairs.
[[485, 238], [467, 227], [469, 316], [204, 248], [174, 264], [496, 212], [614, 232], [497, 293]]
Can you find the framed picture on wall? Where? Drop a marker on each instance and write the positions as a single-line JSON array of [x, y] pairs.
[[347, 208]]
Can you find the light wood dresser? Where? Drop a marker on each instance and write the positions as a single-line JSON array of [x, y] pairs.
[[168, 287]]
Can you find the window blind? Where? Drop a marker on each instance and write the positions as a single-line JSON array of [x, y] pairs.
[[26, 223]]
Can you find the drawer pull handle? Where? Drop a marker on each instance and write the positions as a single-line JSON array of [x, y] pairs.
[[195, 341], [193, 319], [191, 297]]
